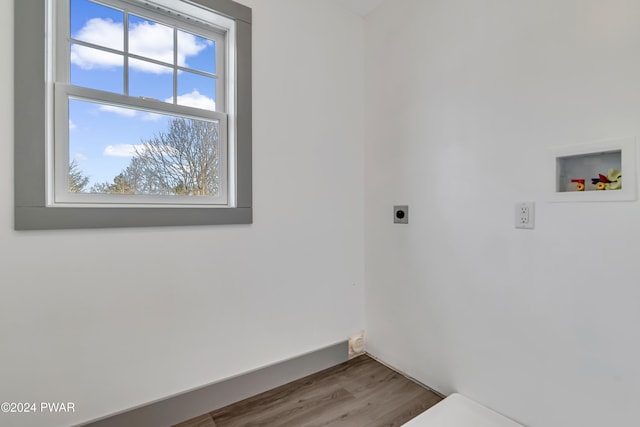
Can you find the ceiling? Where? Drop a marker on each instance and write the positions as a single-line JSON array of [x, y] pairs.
[[360, 7]]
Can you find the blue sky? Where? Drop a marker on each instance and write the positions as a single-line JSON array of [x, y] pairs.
[[103, 138]]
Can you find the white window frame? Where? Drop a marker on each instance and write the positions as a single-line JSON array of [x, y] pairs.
[[63, 91], [36, 159]]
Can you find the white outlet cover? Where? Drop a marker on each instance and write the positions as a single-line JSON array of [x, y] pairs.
[[356, 344], [524, 215]]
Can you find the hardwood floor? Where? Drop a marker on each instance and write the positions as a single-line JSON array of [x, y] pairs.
[[359, 393]]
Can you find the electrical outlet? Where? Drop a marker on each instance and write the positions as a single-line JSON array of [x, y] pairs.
[[525, 215], [401, 214]]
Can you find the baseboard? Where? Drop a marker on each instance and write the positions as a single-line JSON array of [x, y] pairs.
[[193, 403], [407, 376]]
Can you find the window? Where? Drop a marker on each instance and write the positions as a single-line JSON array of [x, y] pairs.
[[138, 113]]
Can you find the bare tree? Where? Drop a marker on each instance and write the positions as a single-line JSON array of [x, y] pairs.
[[120, 185], [77, 179], [182, 161]]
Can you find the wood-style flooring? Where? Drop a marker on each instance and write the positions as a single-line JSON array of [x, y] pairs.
[[361, 392]]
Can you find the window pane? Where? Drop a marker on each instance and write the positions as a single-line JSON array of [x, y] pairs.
[[97, 24], [96, 69], [150, 80], [126, 151], [196, 52], [197, 91], [150, 39]]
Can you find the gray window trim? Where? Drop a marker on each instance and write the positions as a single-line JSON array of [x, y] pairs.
[[31, 210]]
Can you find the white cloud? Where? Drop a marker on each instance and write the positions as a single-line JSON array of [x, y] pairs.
[[146, 38], [149, 67], [122, 150], [189, 45], [72, 125], [196, 99], [126, 112], [80, 157], [88, 58], [152, 117], [153, 41], [103, 32]]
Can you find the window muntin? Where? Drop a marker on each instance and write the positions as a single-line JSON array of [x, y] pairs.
[[152, 72]]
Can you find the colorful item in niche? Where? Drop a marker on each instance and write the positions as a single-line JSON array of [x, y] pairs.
[[600, 182], [579, 184], [613, 180]]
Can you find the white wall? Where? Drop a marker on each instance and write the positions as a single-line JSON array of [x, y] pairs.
[[464, 99], [111, 319]]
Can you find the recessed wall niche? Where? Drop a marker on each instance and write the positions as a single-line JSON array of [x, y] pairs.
[[598, 171]]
